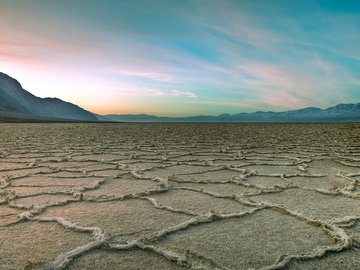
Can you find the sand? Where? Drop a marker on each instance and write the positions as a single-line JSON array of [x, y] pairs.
[[179, 196]]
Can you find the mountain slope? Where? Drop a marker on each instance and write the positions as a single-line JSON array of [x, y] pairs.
[[9, 104], [340, 112], [14, 99]]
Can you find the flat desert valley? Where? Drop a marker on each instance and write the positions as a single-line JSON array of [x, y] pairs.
[[179, 196]]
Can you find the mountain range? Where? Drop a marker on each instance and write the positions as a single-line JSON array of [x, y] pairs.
[[19, 105], [338, 113]]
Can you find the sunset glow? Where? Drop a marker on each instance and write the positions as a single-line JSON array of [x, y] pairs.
[[184, 57]]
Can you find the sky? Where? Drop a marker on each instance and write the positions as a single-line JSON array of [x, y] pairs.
[[184, 57]]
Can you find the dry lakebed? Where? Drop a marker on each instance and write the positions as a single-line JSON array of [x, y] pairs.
[[179, 196]]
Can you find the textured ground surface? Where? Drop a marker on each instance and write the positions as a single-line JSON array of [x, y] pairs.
[[179, 196]]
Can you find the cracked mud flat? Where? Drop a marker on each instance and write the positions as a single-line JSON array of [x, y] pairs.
[[179, 196]]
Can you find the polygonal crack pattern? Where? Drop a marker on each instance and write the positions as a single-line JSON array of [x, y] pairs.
[[179, 196]]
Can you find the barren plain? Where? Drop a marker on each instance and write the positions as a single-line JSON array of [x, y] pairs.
[[179, 196]]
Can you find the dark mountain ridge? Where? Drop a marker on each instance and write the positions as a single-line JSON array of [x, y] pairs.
[[14, 100]]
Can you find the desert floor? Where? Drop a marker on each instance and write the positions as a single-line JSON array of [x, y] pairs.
[[179, 196]]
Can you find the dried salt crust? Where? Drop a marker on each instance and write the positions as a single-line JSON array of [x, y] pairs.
[[179, 196]]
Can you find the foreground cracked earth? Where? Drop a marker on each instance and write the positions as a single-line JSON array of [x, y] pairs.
[[179, 196]]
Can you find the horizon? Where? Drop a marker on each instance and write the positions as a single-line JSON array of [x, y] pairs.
[[188, 115], [187, 58], [265, 111]]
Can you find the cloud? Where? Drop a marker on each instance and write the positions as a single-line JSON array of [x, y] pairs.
[[155, 76], [268, 75], [153, 92], [177, 93]]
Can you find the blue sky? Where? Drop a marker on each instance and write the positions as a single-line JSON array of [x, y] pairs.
[[184, 57]]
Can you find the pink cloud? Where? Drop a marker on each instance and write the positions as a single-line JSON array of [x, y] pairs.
[[284, 100], [279, 86], [268, 74]]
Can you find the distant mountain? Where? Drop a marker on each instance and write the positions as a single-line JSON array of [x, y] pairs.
[[338, 113], [17, 104]]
